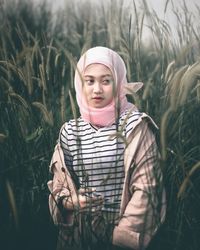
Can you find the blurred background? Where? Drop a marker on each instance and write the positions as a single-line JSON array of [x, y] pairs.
[[40, 43]]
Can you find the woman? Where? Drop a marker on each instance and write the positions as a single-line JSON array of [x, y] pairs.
[[107, 185]]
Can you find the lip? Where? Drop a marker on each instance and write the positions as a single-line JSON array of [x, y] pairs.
[[97, 98]]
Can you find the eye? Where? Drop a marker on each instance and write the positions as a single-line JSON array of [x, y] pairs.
[[89, 81], [107, 81]]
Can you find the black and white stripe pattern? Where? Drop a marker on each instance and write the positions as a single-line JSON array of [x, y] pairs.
[[96, 156]]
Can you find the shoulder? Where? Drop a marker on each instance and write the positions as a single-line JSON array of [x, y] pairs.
[[132, 119], [73, 126], [130, 116]]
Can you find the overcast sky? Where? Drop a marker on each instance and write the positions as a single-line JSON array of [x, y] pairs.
[[157, 5]]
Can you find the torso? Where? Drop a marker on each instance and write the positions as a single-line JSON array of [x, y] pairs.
[[96, 155]]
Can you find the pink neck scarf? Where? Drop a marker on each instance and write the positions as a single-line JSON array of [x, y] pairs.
[[107, 115]]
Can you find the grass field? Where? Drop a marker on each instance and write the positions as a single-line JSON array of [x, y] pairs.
[[37, 60]]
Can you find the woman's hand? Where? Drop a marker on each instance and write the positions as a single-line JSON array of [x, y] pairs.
[[87, 201]]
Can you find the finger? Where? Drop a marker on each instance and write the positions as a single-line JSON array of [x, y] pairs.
[[87, 202], [86, 190], [92, 202], [97, 199], [92, 210]]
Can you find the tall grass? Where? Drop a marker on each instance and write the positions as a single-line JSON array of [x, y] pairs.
[[37, 59]]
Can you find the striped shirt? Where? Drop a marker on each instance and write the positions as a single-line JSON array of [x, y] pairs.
[[95, 157]]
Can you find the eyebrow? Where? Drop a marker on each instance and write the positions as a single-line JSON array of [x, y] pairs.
[[100, 76]]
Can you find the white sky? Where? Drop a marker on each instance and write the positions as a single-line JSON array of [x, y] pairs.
[[157, 5]]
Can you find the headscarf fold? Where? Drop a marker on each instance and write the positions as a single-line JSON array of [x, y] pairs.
[[107, 115]]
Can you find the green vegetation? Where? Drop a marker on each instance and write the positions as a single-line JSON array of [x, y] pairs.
[[37, 58]]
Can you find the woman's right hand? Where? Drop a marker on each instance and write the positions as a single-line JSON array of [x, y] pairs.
[[86, 202]]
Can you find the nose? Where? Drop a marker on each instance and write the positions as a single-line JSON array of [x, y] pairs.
[[97, 87]]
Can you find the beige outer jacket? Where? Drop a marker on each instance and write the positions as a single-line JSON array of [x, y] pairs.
[[143, 203]]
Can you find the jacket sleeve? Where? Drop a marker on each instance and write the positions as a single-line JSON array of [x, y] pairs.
[[60, 186], [144, 209]]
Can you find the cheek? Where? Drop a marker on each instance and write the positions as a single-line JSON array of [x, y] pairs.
[[86, 92], [111, 92]]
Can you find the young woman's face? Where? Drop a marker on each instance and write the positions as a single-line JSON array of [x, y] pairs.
[[98, 85]]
